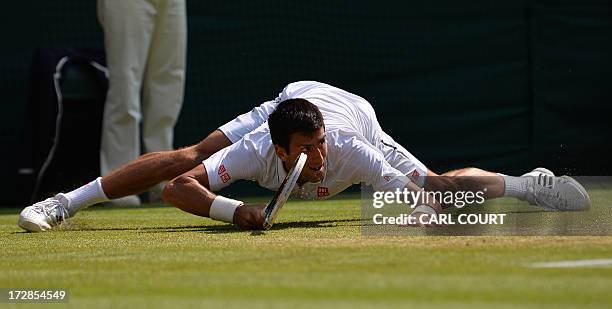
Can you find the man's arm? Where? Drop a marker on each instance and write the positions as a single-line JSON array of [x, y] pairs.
[[190, 192]]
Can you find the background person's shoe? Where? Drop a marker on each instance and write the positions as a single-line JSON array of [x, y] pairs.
[[155, 193], [130, 200]]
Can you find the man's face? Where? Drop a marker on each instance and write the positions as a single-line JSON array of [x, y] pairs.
[[312, 144]]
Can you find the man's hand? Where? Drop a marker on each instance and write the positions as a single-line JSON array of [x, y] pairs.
[[250, 216]]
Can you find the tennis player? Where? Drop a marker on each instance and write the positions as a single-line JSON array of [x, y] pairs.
[[345, 145]]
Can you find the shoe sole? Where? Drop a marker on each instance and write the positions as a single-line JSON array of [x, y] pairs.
[[586, 205], [30, 226]]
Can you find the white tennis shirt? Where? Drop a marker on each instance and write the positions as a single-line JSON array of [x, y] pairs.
[[354, 154]]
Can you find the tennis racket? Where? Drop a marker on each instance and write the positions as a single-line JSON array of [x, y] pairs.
[[283, 192]]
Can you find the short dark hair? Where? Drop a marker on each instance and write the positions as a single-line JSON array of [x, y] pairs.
[[291, 116]]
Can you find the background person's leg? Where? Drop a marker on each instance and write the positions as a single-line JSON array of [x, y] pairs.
[[128, 26], [164, 80]]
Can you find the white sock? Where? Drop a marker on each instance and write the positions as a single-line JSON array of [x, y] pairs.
[[515, 187], [85, 196]]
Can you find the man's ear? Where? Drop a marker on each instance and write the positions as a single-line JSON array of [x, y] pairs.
[[280, 152]]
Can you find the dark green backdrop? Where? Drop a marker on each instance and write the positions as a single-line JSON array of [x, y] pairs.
[[504, 85]]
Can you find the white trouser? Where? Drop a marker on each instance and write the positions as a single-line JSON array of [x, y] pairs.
[[146, 43]]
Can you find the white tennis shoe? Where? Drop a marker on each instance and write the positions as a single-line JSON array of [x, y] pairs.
[[44, 215], [548, 191]]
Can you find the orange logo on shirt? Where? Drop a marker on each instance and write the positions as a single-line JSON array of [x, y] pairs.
[[322, 191], [221, 169], [225, 177], [414, 175]]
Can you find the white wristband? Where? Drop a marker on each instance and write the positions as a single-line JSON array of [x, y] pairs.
[[426, 209], [223, 209]]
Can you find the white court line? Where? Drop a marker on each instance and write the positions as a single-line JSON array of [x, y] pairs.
[[576, 263]]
